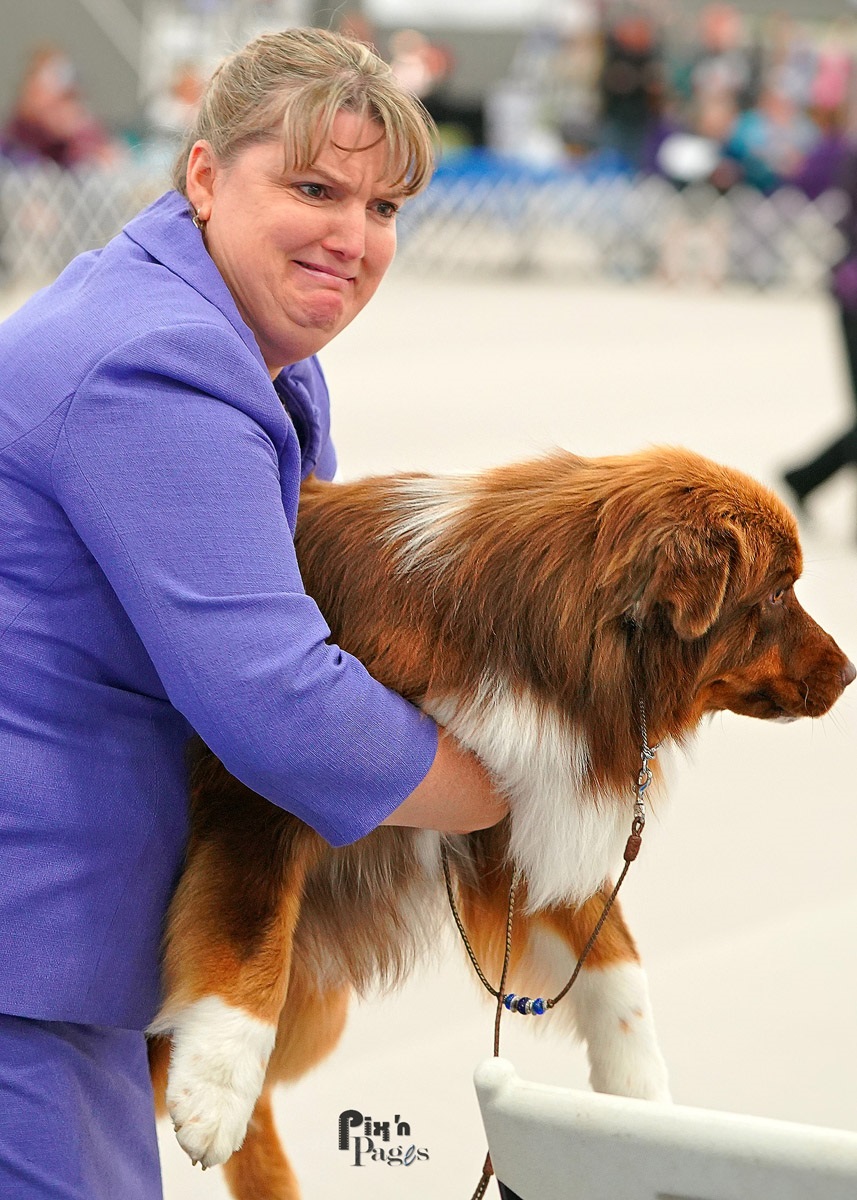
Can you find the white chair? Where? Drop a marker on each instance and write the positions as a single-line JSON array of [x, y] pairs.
[[551, 1143]]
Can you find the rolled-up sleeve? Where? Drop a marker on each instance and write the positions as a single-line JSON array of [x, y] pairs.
[[176, 486]]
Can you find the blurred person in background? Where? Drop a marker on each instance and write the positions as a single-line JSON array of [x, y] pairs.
[[631, 87], [697, 237], [714, 81], [770, 142], [803, 480], [821, 169], [417, 62], [426, 68], [725, 65], [829, 103], [173, 109], [575, 71], [353, 23], [51, 120], [159, 405], [830, 89], [791, 58]]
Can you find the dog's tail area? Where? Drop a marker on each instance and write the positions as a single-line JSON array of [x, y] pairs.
[[159, 1062]]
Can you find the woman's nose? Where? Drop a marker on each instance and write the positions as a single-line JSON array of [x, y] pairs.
[[347, 233]]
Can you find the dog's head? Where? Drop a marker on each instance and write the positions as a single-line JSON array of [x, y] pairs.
[[715, 558]]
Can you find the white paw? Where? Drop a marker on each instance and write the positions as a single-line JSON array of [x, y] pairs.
[[217, 1069], [209, 1119], [638, 1071], [614, 1015]]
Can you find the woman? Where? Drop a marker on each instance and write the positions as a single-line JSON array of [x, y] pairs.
[[159, 406]]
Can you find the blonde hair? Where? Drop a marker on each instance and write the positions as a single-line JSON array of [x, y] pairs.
[[293, 84]]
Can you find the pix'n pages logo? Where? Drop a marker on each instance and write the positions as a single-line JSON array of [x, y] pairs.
[[388, 1142]]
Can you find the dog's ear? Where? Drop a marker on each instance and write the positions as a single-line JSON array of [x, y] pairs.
[[689, 581]]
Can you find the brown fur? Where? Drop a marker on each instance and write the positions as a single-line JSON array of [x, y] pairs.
[[582, 583]]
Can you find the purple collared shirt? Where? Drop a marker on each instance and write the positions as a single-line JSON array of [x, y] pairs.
[[149, 478]]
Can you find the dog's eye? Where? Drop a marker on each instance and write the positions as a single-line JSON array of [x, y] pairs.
[[777, 596]]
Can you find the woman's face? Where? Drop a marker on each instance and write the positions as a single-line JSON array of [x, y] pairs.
[[301, 251]]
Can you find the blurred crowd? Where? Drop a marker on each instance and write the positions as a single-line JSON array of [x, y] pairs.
[[766, 105], [717, 99]]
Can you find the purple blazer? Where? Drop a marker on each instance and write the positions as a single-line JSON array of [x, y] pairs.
[[149, 477]]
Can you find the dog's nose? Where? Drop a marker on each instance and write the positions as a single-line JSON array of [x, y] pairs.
[[849, 672]]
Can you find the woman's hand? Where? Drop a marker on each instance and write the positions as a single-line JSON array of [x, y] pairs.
[[456, 796]]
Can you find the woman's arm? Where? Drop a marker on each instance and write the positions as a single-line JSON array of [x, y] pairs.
[[176, 468], [456, 796]]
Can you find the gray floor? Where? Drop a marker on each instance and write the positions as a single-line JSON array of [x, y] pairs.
[[745, 897]]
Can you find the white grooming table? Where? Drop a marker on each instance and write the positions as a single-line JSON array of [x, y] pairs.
[[551, 1143]]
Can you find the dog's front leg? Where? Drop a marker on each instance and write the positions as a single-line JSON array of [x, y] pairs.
[[609, 1001], [226, 971], [608, 1006]]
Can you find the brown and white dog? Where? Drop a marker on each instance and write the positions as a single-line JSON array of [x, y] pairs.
[[529, 609]]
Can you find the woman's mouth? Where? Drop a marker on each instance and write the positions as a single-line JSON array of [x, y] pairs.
[[328, 275]]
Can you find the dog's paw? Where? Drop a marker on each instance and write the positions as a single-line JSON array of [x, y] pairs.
[[615, 1017], [638, 1071], [217, 1069], [210, 1120]]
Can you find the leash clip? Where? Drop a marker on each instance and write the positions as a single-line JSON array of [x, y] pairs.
[[644, 777]]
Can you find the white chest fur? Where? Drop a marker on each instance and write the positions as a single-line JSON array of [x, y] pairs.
[[565, 839]]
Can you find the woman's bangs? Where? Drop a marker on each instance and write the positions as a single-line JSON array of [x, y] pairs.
[[306, 121]]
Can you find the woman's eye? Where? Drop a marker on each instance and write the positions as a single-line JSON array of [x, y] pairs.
[[386, 209], [314, 191]]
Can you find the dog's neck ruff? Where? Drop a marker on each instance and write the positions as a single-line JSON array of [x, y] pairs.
[[539, 1006], [564, 838]]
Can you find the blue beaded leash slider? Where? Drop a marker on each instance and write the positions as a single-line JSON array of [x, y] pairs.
[[523, 1004]]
